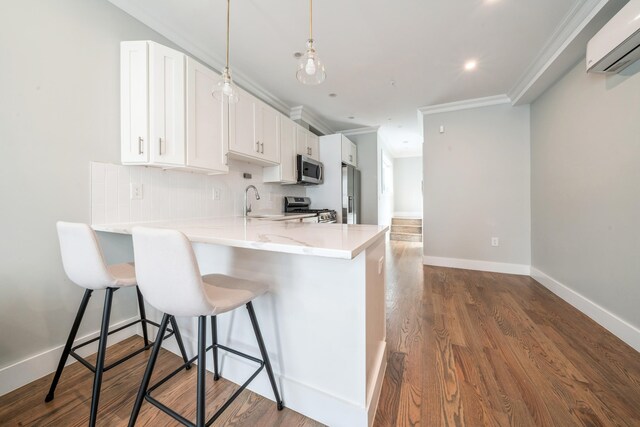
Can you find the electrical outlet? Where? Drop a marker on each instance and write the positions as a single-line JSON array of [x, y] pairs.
[[495, 241], [135, 191], [216, 194]]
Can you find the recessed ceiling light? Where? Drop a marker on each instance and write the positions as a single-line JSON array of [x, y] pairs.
[[297, 55], [333, 95], [351, 117], [470, 65], [392, 82], [389, 119], [405, 142]]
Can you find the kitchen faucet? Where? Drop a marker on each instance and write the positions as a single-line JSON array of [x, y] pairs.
[[247, 205]]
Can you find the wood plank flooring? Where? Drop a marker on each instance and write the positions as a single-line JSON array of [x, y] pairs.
[[469, 348], [465, 349]]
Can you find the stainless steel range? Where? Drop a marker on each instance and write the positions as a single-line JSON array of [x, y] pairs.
[[294, 204]]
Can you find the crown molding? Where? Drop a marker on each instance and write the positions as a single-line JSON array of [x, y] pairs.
[[572, 25], [200, 52], [360, 131], [308, 116], [464, 105]]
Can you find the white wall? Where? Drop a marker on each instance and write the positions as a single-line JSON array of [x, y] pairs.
[[585, 180], [407, 183], [385, 182], [368, 165], [476, 186]]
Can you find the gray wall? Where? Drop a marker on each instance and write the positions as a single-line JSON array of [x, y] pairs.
[[407, 183], [585, 187], [368, 166], [476, 184], [60, 109]]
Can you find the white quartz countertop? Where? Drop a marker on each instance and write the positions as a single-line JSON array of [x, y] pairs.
[[326, 240]]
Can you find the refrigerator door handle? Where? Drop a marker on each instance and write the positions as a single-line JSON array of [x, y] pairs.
[[350, 208]]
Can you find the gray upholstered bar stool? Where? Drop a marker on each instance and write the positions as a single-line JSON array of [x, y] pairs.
[[84, 264], [170, 280]]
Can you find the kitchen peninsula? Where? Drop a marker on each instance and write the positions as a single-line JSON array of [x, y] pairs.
[[323, 320]]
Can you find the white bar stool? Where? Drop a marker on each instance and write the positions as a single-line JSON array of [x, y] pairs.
[[170, 280], [84, 264]]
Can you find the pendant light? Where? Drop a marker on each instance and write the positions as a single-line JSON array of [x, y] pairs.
[[310, 68], [225, 88]]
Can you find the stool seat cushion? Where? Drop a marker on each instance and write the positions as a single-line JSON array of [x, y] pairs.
[[226, 293], [123, 274]]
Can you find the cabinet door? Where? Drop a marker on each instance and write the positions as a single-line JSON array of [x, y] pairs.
[[354, 155], [301, 141], [287, 150], [346, 150], [206, 147], [167, 105], [134, 107], [268, 132], [313, 144], [242, 137]]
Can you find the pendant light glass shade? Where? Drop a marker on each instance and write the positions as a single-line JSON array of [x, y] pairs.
[[310, 69], [225, 89]]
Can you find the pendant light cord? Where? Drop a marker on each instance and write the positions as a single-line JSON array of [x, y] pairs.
[[310, 19], [228, 14]]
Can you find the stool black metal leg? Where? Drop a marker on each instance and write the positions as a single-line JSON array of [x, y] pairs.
[[69, 344], [263, 352], [102, 348], [202, 368], [147, 373], [176, 331], [143, 317], [214, 342]]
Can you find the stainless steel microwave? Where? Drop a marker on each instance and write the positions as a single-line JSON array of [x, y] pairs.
[[310, 171]]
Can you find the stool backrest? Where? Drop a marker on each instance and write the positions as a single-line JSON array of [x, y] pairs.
[[82, 258], [168, 273]]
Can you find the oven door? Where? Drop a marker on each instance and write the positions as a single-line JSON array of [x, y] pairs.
[[310, 171]]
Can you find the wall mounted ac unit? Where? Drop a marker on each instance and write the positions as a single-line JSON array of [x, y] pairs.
[[617, 44]]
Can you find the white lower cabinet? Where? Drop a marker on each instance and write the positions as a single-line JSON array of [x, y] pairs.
[[168, 117]]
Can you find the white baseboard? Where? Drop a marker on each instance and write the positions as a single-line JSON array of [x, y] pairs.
[[32, 368], [617, 326], [407, 214], [469, 264]]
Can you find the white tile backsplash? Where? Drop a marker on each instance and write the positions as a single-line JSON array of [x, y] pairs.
[[169, 194]]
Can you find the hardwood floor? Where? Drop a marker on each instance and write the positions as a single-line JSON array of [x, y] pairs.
[[465, 348], [483, 349]]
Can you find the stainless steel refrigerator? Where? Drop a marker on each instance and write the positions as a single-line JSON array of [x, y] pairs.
[[350, 195]]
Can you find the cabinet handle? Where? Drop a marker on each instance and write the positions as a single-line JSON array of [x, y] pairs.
[[257, 146], [310, 151], [262, 147], [140, 141], [160, 146], [350, 158]]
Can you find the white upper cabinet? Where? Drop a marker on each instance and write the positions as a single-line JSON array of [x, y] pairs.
[[167, 102], [134, 102], [206, 120], [307, 143], [284, 173], [254, 130], [169, 118], [349, 152]]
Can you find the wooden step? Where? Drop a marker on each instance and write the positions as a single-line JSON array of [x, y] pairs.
[[406, 221], [409, 229], [406, 237]]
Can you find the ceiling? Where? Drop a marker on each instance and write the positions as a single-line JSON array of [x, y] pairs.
[[384, 58]]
